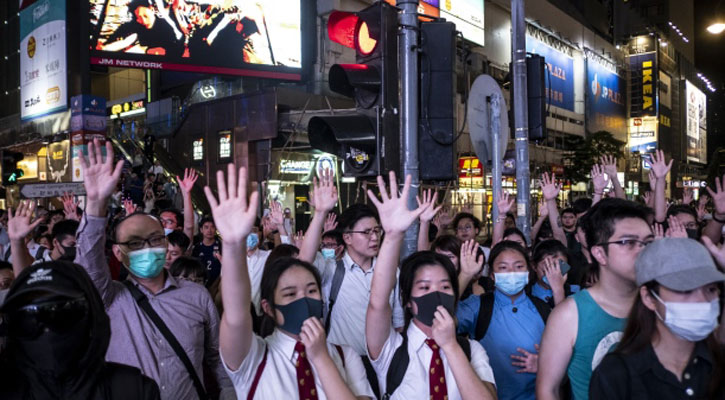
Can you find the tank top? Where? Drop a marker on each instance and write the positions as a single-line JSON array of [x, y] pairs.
[[597, 334]]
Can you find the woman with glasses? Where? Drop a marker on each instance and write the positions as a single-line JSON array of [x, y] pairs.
[[668, 350]]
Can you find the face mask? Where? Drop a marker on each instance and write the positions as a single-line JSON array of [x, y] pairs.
[[167, 231], [328, 254], [297, 312], [252, 241], [427, 305], [69, 253], [693, 233], [690, 321], [147, 263], [511, 283]]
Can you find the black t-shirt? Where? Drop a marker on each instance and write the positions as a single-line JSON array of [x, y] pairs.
[[206, 255]]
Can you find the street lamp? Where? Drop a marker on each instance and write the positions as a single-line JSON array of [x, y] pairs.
[[716, 28]]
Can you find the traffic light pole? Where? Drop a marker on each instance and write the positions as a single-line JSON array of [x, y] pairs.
[[408, 50], [521, 117]]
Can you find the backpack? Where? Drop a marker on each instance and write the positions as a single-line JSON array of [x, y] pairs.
[[334, 290], [485, 312], [401, 358]]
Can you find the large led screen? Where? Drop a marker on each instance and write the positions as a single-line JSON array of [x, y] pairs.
[[253, 38]]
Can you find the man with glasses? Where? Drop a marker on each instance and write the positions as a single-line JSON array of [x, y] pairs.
[[585, 327], [186, 308]]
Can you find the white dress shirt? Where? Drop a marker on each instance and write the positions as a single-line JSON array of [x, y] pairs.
[[255, 266], [348, 314], [415, 384], [279, 377]]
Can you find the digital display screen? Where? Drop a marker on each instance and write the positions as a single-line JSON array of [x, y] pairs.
[[262, 38], [225, 146], [197, 150]]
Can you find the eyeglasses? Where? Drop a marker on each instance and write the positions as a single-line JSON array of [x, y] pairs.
[[138, 244], [369, 232], [328, 245], [59, 316], [629, 244]]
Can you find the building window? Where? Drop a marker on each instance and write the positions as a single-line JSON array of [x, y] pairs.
[[197, 150]]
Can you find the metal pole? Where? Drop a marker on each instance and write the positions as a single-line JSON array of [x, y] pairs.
[[495, 116], [408, 50], [521, 117]]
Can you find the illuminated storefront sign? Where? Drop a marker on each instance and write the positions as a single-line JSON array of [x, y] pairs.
[[197, 150], [470, 172], [127, 109], [644, 82], [696, 125], [225, 146], [297, 167]]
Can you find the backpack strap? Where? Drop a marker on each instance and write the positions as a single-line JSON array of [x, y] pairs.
[[541, 307], [398, 366], [334, 290], [260, 369], [342, 354], [485, 311], [465, 345]]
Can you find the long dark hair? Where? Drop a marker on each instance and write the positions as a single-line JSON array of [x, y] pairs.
[[270, 279], [641, 329], [410, 267]]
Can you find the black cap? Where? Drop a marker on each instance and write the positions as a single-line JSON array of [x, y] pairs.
[[41, 281]]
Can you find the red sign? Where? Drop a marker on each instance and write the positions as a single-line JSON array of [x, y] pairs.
[[469, 167], [638, 122], [557, 169]]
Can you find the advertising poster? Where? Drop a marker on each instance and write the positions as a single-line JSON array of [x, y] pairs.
[[43, 88], [261, 38], [467, 15], [696, 123], [642, 134], [606, 106], [559, 81], [643, 68]]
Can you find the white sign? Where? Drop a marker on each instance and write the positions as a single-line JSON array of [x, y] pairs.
[[468, 17], [39, 190], [301, 167], [696, 123], [43, 88]]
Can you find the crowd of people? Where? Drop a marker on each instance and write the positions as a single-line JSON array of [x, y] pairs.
[[135, 296]]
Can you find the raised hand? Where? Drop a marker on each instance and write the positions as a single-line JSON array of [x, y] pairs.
[[528, 362], [659, 167], [599, 179], [609, 166], [505, 203], [70, 207], [716, 250], [330, 223], [470, 264], [100, 178], [443, 219], [649, 199], [429, 205], [702, 207], [675, 228], [393, 209], [443, 328], [323, 195], [190, 177], [298, 239], [276, 215], [686, 196], [658, 231], [233, 211], [552, 272], [19, 222], [128, 206], [718, 197], [549, 188]]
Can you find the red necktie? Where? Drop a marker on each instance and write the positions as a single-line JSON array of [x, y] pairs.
[[305, 377], [436, 373]]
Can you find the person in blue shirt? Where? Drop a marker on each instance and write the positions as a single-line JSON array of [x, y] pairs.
[[550, 285], [508, 322]]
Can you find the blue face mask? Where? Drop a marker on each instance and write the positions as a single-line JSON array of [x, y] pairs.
[[511, 283], [147, 263], [252, 241], [167, 231], [328, 254]]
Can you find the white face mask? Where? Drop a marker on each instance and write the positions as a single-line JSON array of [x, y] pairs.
[[690, 321]]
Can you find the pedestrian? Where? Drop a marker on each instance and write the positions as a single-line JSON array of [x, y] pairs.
[[209, 249], [296, 360], [551, 264], [668, 350]]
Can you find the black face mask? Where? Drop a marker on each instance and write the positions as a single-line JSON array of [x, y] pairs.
[[297, 312], [693, 233], [69, 253], [427, 305]]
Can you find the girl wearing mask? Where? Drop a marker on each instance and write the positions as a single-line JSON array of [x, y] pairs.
[[668, 350], [508, 322], [552, 269], [295, 361], [436, 363]]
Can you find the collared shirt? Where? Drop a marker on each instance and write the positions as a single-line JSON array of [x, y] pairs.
[[547, 295], [185, 307], [641, 376], [415, 384], [255, 266], [348, 314], [513, 325], [279, 377]]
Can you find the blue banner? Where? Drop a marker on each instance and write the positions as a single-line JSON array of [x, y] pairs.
[[606, 108], [560, 75]]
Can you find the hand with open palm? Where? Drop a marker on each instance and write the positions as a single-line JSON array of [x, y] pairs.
[[100, 178], [234, 212], [395, 216]]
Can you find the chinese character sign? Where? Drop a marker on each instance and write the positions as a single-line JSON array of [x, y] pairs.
[[42, 59], [606, 106]]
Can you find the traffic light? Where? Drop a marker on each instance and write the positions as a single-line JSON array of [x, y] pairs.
[[10, 171], [368, 140]]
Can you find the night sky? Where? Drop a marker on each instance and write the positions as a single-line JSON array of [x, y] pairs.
[[709, 48]]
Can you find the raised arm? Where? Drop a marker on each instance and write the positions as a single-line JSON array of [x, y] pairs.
[[19, 227], [599, 182], [505, 204], [609, 163], [186, 184], [234, 215], [550, 189], [543, 215], [395, 219], [660, 169], [429, 197], [713, 229], [470, 264], [324, 198]]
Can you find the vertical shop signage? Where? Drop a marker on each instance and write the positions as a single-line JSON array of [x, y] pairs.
[[696, 123], [644, 84]]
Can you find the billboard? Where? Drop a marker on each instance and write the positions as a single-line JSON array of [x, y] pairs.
[[466, 14], [696, 123], [43, 88], [644, 83], [605, 103], [261, 38], [643, 134], [559, 81]]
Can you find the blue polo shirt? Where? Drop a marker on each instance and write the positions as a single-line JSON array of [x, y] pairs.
[[508, 330], [547, 295]]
